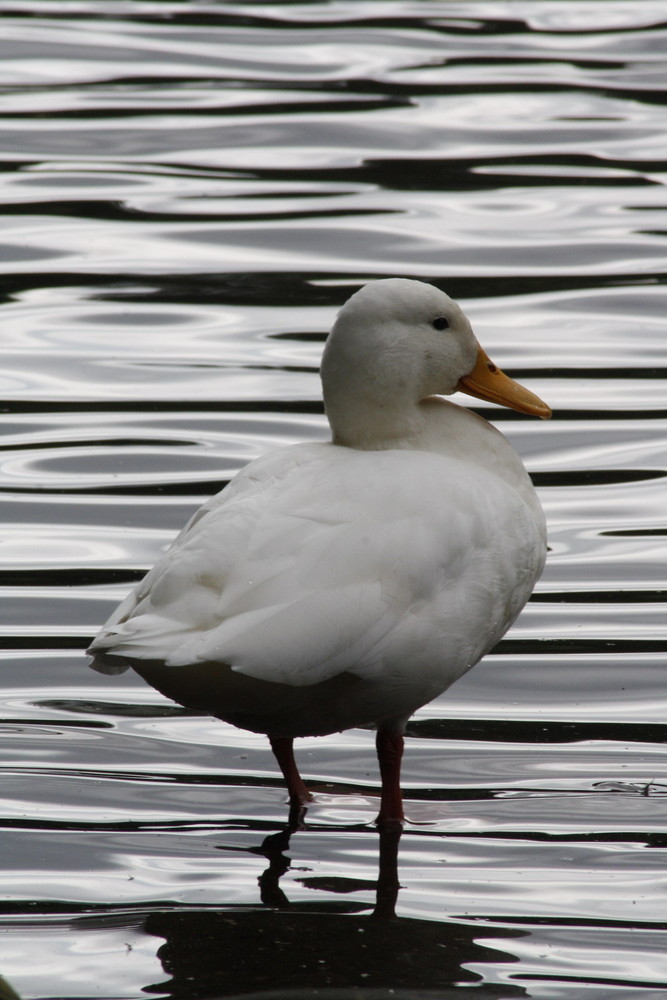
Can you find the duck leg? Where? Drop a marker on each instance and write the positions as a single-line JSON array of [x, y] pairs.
[[283, 751], [389, 745]]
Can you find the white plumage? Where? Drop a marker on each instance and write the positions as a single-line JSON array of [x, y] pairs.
[[348, 583]]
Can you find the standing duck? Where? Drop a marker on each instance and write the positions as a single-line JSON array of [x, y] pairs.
[[347, 583]]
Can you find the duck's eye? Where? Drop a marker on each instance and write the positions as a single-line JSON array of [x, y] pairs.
[[441, 323]]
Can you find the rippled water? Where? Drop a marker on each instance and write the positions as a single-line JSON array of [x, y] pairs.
[[189, 190]]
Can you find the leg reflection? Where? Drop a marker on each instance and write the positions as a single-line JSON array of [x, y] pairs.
[[275, 846], [387, 883]]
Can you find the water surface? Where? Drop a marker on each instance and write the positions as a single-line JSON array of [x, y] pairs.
[[189, 191]]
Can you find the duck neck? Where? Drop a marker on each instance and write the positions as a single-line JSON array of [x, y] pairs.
[[372, 389], [367, 421]]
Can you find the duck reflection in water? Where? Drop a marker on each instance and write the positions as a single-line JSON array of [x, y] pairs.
[[327, 949], [344, 584]]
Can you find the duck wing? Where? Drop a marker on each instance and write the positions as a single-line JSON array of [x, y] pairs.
[[320, 559]]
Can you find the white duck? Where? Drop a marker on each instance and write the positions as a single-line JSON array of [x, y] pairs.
[[347, 583]]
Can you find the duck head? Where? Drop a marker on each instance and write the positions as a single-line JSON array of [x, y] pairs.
[[396, 342]]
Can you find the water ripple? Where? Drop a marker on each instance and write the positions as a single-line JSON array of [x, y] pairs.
[[189, 192]]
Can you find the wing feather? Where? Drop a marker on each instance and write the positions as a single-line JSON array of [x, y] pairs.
[[307, 567]]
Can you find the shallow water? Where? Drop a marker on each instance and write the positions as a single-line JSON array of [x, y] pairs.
[[189, 191]]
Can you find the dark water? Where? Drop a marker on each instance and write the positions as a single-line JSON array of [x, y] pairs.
[[189, 190]]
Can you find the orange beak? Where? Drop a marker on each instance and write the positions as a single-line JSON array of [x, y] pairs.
[[488, 382]]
